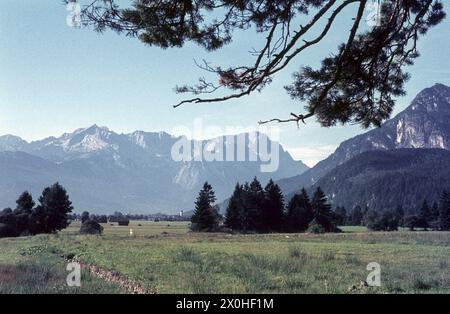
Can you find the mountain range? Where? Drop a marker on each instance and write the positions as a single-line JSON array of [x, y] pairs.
[[424, 124], [402, 162], [104, 171]]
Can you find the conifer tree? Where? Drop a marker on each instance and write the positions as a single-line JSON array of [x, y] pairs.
[[205, 217], [254, 200], [235, 209], [299, 212], [273, 208], [323, 220]]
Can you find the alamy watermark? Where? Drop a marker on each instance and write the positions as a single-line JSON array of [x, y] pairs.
[[73, 279], [242, 145], [374, 277]]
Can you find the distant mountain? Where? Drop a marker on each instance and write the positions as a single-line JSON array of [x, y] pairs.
[[12, 143], [105, 171], [424, 124], [385, 179]]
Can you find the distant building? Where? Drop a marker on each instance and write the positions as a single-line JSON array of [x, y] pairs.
[[181, 213]]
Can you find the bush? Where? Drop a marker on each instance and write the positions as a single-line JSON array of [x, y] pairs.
[[315, 227], [6, 231], [91, 227]]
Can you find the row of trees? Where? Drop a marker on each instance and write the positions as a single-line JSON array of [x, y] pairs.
[[51, 215], [436, 217], [253, 208]]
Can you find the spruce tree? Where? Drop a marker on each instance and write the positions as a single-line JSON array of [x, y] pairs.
[[205, 217], [299, 213], [273, 208], [254, 201], [235, 209], [323, 220], [444, 212]]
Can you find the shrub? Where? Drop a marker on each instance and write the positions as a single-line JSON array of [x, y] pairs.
[[91, 227], [315, 227]]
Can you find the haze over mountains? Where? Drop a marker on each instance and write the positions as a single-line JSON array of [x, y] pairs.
[[424, 124], [105, 171], [402, 162]]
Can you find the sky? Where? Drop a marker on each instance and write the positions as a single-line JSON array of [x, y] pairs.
[[55, 79]]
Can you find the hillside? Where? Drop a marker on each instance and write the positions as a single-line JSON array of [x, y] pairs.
[[423, 124], [384, 179]]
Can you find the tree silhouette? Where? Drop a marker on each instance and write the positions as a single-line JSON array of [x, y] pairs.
[[273, 208], [235, 208], [52, 214], [323, 218], [205, 217], [357, 83], [299, 213]]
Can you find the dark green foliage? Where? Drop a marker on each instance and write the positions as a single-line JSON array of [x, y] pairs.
[[272, 208], [53, 212], [386, 179], [102, 219], [235, 209], [84, 217], [444, 211], [424, 217], [8, 227], [91, 227], [253, 209], [254, 201], [410, 222], [341, 216], [385, 221], [324, 220], [25, 202], [400, 215], [206, 216], [356, 216], [435, 214], [299, 213]]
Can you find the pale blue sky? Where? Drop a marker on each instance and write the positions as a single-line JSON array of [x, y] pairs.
[[54, 79]]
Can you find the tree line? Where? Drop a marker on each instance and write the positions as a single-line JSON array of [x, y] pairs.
[[51, 215], [252, 208]]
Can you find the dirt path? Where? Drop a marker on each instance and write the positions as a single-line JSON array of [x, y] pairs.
[[113, 277]]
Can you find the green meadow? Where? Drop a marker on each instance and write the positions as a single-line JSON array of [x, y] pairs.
[[165, 257]]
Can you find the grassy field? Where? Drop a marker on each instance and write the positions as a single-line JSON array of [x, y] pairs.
[[165, 257]]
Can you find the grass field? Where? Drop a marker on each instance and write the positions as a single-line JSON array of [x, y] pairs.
[[165, 257]]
